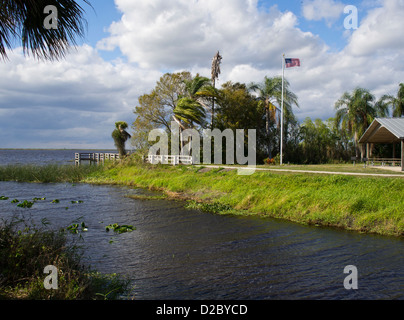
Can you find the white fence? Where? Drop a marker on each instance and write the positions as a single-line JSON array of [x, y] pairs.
[[167, 159], [94, 157]]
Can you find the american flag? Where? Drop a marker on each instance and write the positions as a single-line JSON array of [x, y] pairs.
[[292, 62]]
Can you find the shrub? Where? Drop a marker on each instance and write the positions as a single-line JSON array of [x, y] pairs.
[[24, 252]]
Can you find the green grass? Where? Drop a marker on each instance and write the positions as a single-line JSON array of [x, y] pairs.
[[46, 173], [365, 204], [360, 203], [357, 168]]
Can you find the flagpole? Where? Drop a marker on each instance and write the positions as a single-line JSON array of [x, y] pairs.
[[283, 75]]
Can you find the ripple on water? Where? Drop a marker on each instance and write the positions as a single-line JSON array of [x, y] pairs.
[[176, 253]]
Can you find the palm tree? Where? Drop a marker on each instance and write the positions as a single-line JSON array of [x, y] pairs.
[[188, 108], [397, 103], [24, 19], [269, 93], [195, 85], [215, 71], [190, 112], [120, 135], [187, 113], [356, 111]]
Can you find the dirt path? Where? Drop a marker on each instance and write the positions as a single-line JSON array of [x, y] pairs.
[[308, 171]]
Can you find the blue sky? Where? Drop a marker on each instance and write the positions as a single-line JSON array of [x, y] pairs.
[[74, 103]]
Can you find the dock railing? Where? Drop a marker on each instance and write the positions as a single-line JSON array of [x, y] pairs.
[[167, 159], [97, 158]]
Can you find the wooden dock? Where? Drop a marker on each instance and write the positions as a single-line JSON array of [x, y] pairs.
[[96, 158]]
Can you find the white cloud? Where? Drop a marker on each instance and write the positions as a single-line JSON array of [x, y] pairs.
[[317, 10], [379, 31], [82, 91], [184, 33], [75, 102]]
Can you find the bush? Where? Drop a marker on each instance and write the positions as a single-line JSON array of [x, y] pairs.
[[26, 250]]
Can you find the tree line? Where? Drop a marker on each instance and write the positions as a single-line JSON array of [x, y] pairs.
[[194, 102]]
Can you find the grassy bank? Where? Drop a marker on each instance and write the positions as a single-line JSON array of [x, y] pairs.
[[365, 204], [360, 203], [47, 173]]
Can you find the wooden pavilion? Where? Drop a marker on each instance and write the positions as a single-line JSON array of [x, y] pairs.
[[385, 130]]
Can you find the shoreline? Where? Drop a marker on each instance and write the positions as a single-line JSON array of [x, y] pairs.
[[340, 201], [366, 204]]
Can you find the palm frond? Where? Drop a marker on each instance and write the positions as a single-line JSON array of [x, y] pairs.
[[24, 19]]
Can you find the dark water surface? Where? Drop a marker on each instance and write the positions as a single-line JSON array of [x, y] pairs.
[[176, 253]]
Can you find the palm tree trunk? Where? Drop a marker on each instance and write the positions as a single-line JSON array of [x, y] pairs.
[[213, 107], [267, 131]]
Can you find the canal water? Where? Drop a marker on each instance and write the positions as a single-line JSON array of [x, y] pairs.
[[177, 253]]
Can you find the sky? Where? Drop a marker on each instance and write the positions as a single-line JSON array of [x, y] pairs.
[[129, 45]]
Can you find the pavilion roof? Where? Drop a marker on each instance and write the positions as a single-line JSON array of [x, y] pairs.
[[384, 130]]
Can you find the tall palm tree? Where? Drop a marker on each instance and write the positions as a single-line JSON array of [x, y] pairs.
[[270, 93], [356, 111], [215, 71], [24, 20], [397, 103]]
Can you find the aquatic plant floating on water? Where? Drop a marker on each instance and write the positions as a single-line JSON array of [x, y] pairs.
[[75, 228], [25, 204], [120, 228], [4, 198]]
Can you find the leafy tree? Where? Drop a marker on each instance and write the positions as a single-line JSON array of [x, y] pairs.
[[238, 109], [24, 20], [156, 109], [120, 136], [174, 98], [318, 141], [355, 112], [270, 94]]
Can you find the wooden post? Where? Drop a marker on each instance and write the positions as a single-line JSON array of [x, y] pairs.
[[394, 153], [402, 155]]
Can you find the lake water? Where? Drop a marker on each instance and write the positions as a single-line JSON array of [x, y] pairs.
[[176, 253], [41, 157]]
